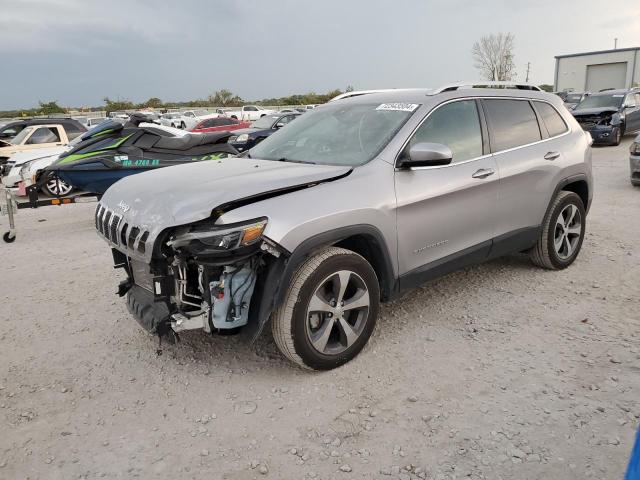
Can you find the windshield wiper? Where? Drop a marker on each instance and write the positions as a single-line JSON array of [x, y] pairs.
[[283, 159]]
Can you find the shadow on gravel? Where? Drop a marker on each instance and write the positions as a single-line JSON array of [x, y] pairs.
[[407, 315]]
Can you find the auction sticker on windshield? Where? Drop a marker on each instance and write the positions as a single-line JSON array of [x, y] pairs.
[[401, 107]]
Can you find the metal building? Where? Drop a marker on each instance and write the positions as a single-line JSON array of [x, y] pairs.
[[593, 71]]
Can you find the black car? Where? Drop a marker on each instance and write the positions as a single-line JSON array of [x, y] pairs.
[[12, 128], [609, 114], [246, 138]]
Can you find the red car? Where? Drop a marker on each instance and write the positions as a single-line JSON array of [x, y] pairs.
[[219, 124]]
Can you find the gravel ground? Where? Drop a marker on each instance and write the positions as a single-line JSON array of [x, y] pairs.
[[499, 371]]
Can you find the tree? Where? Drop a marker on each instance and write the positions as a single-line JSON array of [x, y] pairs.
[[153, 102], [50, 108], [117, 105], [224, 98], [493, 56]]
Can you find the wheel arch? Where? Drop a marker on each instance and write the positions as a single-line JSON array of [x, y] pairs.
[[365, 240], [581, 188]]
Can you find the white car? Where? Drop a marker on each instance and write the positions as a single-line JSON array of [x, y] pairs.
[[249, 113], [171, 119], [190, 118]]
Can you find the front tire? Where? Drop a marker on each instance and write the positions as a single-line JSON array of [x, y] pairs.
[[329, 311], [619, 134], [562, 233]]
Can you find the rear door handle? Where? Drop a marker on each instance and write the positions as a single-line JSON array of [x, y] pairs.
[[551, 155], [483, 173]]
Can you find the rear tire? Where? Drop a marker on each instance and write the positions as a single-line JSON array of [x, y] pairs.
[[562, 233], [329, 311]]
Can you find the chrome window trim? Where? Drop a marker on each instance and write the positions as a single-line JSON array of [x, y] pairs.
[[481, 157]]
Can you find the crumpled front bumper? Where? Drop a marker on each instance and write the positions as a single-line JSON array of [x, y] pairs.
[[153, 315], [603, 134]]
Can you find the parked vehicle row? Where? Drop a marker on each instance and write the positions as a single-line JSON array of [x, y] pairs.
[[348, 206], [610, 114], [255, 132]]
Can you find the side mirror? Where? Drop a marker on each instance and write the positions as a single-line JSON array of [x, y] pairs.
[[280, 125], [427, 155]]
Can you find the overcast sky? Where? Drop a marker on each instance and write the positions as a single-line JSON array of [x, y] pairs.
[[79, 51]]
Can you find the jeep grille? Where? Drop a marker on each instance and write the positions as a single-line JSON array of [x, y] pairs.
[[111, 226]]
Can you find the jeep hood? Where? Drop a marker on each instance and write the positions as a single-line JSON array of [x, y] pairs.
[[178, 195]]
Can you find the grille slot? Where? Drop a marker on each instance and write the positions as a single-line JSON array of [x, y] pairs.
[[113, 228], [133, 234], [142, 244], [123, 234]]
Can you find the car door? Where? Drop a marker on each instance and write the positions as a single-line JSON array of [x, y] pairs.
[[632, 112], [528, 165], [445, 214]]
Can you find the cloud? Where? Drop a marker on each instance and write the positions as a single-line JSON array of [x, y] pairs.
[[78, 51]]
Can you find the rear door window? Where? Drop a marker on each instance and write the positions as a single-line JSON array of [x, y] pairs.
[[551, 118], [455, 125], [44, 135], [512, 123]]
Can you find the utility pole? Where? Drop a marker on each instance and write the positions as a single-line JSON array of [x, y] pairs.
[[615, 43], [528, 69]]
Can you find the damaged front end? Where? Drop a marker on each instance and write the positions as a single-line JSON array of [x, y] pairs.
[[603, 125], [203, 276]]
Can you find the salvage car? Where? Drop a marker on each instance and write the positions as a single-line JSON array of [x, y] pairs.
[[609, 114], [10, 129], [259, 130], [191, 118], [249, 113], [634, 161], [32, 138], [220, 124], [572, 99], [349, 206]]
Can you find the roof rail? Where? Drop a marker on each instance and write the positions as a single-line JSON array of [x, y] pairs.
[[357, 93], [485, 84]]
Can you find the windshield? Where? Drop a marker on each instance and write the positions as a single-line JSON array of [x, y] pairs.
[[573, 98], [340, 134], [264, 122], [19, 138], [601, 101], [201, 113]]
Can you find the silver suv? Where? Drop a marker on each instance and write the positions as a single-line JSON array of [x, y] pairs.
[[353, 203]]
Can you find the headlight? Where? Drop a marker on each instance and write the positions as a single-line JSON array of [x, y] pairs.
[[635, 148], [242, 138], [205, 239], [25, 167]]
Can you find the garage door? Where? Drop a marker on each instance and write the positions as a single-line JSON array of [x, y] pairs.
[[608, 75]]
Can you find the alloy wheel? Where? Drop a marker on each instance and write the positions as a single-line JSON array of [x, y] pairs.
[[338, 312], [56, 187], [567, 232]]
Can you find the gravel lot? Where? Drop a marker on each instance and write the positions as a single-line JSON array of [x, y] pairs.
[[500, 371]]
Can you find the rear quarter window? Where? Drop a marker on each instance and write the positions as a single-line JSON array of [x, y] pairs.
[[512, 123], [551, 118]]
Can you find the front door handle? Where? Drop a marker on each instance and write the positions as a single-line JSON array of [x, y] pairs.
[[551, 155], [483, 173]]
